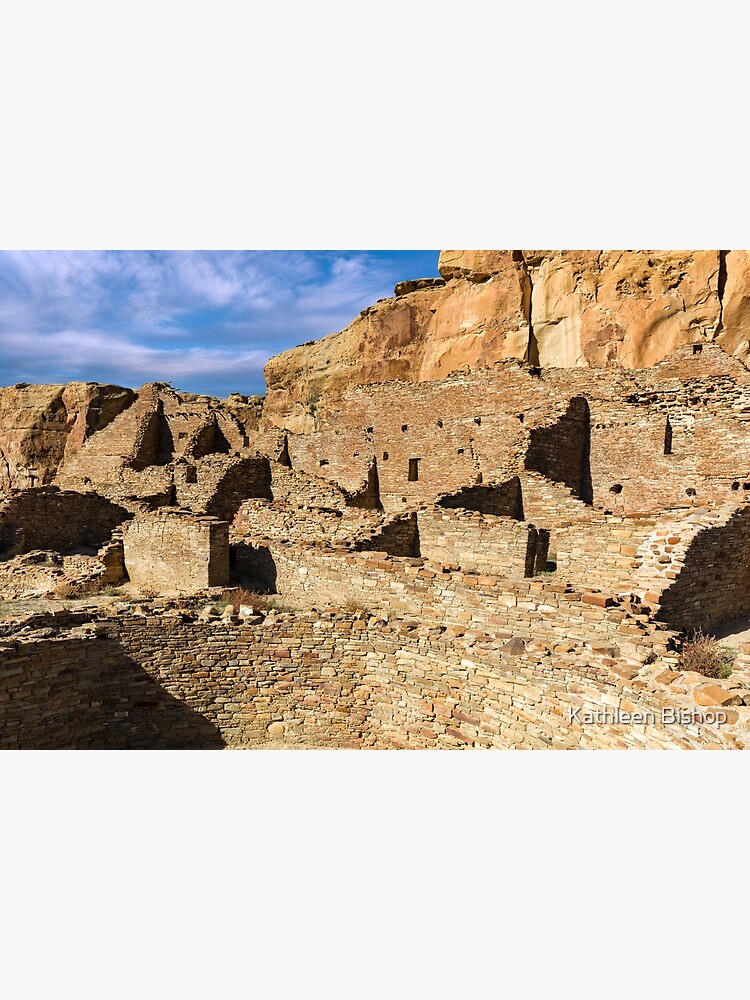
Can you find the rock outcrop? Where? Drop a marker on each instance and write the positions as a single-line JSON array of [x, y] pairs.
[[41, 425], [552, 308]]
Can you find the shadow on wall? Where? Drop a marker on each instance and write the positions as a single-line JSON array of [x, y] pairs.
[[60, 520], [156, 445], [368, 498], [562, 451], [103, 700], [247, 479], [399, 537], [503, 499], [254, 563], [713, 585]]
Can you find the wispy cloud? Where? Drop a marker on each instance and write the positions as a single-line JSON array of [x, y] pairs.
[[207, 321]]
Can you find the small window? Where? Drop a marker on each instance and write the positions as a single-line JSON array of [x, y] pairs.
[[697, 348], [691, 492], [478, 421], [182, 435], [414, 469], [323, 461], [668, 438], [404, 427], [440, 423], [370, 430], [735, 486], [191, 474], [385, 456], [617, 488], [460, 451]]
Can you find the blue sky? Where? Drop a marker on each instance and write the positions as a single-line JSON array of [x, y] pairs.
[[206, 321]]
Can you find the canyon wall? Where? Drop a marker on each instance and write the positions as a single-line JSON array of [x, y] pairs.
[[552, 308], [41, 425]]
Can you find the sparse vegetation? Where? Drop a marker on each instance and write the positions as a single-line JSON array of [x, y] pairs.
[[705, 655], [78, 589], [242, 597], [352, 606], [67, 590]]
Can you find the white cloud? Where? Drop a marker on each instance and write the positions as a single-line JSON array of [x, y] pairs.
[[80, 352], [174, 315]]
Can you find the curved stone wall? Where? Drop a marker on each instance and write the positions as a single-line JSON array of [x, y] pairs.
[[329, 680]]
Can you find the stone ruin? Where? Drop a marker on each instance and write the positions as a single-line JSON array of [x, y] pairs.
[[499, 552]]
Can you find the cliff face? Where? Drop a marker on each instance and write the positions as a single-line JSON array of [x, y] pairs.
[[552, 308], [41, 425]]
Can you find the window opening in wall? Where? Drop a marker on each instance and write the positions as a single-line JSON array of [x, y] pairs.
[[323, 461], [440, 423], [478, 421], [404, 427], [191, 474], [521, 417], [414, 469], [182, 435], [370, 430], [668, 437], [356, 454], [746, 486], [460, 451], [385, 456], [735, 486], [697, 348], [617, 488], [690, 491]]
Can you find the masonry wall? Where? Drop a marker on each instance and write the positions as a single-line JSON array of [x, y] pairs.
[[537, 608], [170, 551], [464, 431], [713, 583], [218, 484], [61, 521], [561, 450], [478, 543], [316, 680], [91, 694], [502, 499], [486, 426]]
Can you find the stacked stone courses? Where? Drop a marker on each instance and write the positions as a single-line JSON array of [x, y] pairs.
[[410, 552], [334, 680]]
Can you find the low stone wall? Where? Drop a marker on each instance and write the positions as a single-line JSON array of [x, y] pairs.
[[327, 680], [535, 608], [56, 520], [478, 543], [176, 551]]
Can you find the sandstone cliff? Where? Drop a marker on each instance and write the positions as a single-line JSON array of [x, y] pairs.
[[552, 308], [41, 425]]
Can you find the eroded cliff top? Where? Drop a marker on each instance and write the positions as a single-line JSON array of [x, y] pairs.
[[552, 308]]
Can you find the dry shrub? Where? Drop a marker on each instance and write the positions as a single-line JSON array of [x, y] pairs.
[[705, 655], [76, 589], [242, 597]]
